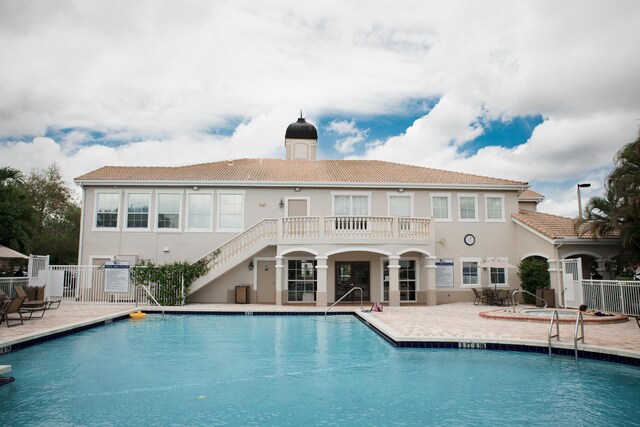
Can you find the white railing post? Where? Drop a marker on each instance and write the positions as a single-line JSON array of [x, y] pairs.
[[321, 228]]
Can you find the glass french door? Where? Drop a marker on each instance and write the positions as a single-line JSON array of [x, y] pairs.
[[351, 274]]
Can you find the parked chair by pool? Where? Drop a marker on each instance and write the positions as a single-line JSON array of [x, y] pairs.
[[14, 306], [479, 296], [31, 306]]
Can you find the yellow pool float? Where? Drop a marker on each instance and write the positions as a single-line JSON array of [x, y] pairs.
[[138, 315]]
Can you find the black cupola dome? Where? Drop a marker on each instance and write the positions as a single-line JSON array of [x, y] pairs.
[[301, 130]]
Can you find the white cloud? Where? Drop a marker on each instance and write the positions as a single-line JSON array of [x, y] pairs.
[[161, 75], [349, 136]]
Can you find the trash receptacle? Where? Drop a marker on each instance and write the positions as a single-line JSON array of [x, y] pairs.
[[242, 294], [546, 294]]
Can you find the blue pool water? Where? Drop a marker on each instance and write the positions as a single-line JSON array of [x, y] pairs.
[[299, 370]]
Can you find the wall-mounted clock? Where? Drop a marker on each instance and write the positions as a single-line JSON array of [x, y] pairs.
[[469, 239]]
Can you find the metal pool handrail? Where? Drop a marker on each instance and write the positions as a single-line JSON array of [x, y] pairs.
[[554, 319], [576, 338], [522, 291], [151, 296], [342, 297]]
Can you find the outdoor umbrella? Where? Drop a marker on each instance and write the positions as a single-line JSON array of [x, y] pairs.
[[495, 263], [8, 253]]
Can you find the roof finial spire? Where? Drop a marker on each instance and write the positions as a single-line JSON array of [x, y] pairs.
[[301, 114]]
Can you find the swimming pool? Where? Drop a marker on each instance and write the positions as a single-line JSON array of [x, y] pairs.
[[299, 370]]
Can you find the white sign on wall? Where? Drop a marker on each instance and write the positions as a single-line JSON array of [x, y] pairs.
[[116, 276], [444, 273]]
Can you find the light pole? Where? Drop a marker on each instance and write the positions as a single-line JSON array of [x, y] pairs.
[[579, 186]]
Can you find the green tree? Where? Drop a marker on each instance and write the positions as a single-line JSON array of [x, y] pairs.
[[56, 217], [534, 274], [15, 213], [618, 211]]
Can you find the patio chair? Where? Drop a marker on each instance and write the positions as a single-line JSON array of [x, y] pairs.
[[490, 296], [479, 297], [503, 296], [30, 306], [38, 295], [14, 306], [4, 297]]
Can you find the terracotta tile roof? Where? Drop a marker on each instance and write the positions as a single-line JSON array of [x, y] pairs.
[[530, 195], [294, 171], [553, 226]]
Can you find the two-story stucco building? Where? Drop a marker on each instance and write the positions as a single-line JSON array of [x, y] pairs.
[[302, 230]]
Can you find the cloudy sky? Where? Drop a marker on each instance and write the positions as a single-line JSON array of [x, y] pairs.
[[539, 91]]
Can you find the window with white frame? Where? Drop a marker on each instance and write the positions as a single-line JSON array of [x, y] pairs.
[[468, 206], [470, 271], [230, 211], [138, 210], [350, 205], [441, 207], [107, 206], [498, 276], [495, 208], [199, 211], [401, 206], [407, 280], [168, 211]]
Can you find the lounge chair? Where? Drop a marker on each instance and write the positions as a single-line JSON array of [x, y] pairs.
[[479, 297], [14, 306], [31, 306], [36, 293]]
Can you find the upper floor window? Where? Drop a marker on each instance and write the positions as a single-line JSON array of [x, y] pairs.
[[168, 211], [495, 207], [350, 205], [401, 206], [468, 208], [441, 207], [199, 209], [107, 205], [138, 210], [230, 211]]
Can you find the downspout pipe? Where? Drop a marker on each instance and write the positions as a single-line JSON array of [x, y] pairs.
[[559, 272]]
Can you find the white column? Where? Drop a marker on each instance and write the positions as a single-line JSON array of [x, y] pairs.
[[321, 290], [394, 281], [279, 280], [430, 265]]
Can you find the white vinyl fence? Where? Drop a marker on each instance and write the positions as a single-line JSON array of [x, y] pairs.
[[7, 284], [86, 284], [612, 296]]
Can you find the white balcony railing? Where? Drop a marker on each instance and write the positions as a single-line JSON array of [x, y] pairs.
[[355, 227]]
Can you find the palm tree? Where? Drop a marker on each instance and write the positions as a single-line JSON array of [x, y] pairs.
[[619, 210]]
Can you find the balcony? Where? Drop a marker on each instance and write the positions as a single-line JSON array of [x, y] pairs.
[[354, 227]]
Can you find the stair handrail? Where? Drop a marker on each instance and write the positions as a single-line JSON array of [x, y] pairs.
[[218, 256], [353, 288], [522, 291]]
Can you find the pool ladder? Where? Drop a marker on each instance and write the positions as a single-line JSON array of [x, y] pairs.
[[151, 296], [343, 296], [555, 320]]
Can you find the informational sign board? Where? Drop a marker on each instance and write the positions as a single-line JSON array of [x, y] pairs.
[[116, 277], [444, 273]]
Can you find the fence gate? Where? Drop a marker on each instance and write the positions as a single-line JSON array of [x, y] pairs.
[[38, 269], [571, 281]]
